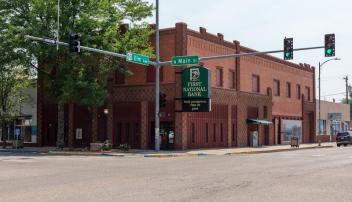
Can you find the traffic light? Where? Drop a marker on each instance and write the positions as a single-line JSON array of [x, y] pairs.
[[162, 100], [329, 45], [74, 43], [288, 48]]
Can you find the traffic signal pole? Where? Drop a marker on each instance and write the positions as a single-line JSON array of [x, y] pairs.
[[219, 57], [157, 81]]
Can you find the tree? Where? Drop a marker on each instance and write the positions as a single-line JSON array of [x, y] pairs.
[[81, 78], [13, 79]]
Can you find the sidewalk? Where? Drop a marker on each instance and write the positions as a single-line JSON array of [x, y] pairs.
[[161, 154], [200, 152]]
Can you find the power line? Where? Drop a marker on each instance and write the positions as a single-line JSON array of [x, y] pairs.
[[342, 93]]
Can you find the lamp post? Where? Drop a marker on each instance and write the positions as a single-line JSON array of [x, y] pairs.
[[320, 65]]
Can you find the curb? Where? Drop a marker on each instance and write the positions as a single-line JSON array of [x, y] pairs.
[[55, 153], [279, 150], [172, 155]]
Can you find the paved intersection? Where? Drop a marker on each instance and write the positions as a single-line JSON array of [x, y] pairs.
[[306, 175]]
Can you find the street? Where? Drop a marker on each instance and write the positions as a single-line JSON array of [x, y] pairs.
[[306, 175]]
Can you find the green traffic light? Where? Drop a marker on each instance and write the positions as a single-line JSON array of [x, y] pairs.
[[287, 54], [329, 51]]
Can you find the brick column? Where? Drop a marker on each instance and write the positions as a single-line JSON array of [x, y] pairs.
[[71, 131], [144, 124], [242, 136], [94, 124], [110, 120], [229, 125], [180, 117], [181, 131]]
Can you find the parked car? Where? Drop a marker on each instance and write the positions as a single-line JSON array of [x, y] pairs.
[[344, 138]]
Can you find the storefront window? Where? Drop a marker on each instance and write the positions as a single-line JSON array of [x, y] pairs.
[[21, 129], [322, 127], [291, 128]]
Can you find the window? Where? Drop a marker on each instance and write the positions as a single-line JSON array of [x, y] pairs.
[[307, 94], [233, 132], [288, 89], [193, 134], [214, 133], [219, 76], [292, 128], [255, 84], [221, 134], [265, 112], [127, 134], [119, 133], [136, 129], [276, 87], [206, 133], [232, 79], [298, 91], [322, 127]]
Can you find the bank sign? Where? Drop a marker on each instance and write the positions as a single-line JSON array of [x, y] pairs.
[[196, 89], [196, 83]]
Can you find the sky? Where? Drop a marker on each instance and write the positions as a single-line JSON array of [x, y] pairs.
[[262, 25]]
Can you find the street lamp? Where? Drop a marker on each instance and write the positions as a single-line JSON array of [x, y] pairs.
[[320, 65]]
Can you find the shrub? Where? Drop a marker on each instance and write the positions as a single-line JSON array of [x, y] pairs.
[[107, 145], [124, 147]]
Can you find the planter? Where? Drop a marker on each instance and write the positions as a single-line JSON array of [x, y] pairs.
[[96, 146]]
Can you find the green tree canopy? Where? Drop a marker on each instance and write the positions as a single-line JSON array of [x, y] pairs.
[[80, 78]]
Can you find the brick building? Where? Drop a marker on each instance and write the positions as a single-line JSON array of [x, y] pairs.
[[245, 91]]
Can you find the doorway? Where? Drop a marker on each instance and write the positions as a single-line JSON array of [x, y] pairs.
[[167, 136]]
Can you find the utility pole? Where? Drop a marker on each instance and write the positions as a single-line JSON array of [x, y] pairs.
[[346, 80], [157, 80]]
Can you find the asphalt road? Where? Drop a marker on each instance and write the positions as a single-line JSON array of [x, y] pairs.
[[306, 175]]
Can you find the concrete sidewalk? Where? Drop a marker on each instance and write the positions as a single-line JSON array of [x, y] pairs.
[[161, 154], [200, 152]]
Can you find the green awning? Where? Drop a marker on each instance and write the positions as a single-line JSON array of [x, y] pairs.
[[258, 122]]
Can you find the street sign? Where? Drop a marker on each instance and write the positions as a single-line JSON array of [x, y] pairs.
[[196, 83], [137, 58], [196, 105], [184, 60]]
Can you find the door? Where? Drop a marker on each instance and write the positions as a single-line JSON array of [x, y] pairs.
[[266, 135], [166, 136]]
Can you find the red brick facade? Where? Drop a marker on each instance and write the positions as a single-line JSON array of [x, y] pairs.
[[130, 117]]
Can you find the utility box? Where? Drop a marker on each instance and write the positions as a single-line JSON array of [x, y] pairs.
[[254, 139]]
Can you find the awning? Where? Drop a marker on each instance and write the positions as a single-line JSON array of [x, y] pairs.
[[258, 122]]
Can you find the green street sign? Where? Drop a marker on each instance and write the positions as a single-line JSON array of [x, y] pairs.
[[196, 83], [184, 60], [137, 58]]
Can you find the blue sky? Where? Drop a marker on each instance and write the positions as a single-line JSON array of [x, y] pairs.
[[262, 25]]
